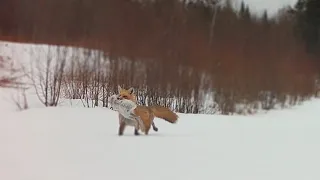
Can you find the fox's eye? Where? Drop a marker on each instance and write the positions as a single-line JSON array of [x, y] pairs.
[[125, 97]]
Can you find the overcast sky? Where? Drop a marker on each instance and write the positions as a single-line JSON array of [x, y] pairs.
[[272, 6]]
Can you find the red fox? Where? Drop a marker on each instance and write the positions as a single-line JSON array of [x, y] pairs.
[[146, 113], [130, 112]]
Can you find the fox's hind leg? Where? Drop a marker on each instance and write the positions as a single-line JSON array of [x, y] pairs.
[[154, 127]]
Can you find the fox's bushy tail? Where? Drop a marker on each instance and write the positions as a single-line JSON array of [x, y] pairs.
[[164, 113]]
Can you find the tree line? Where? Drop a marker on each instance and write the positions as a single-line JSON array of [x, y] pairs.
[[195, 56]]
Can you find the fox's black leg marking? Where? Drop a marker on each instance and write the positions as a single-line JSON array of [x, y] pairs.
[[136, 132], [154, 127]]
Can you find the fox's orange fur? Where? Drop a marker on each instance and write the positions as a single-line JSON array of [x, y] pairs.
[[127, 94], [147, 113], [146, 116]]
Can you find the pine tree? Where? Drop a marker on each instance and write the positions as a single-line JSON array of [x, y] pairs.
[[312, 16], [307, 14], [245, 12], [242, 9], [265, 20]]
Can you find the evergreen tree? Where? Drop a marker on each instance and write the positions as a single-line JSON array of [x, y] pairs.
[[265, 20], [307, 13], [265, 17], [247, 13], [244, 12], [242, 9]]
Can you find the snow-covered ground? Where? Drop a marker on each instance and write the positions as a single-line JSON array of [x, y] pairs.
[[77, 143], [71, 142]]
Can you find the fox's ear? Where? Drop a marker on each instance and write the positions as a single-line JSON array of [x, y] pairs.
[[131, 90], [119, 88]]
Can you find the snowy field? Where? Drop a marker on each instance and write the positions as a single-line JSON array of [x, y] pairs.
[[76, 143], [71, 142]]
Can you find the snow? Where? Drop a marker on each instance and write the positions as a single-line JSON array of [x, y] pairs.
[[71, 142], [77, 143]]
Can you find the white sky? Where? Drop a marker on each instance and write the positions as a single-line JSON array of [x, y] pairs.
[[271, 6]]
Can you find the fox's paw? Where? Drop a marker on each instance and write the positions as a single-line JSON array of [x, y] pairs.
[[155, 129], [136, 132]]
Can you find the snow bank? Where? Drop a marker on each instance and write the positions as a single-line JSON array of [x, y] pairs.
[[76, 143]]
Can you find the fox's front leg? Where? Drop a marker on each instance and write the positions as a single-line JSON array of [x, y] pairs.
[[139, 124], [136, 128], [122, 125], [136, 131], [121, 128]]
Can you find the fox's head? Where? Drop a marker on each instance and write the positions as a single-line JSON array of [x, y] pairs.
[[126, 94]]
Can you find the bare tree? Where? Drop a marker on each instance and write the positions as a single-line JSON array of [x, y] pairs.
[[20, 99], [47, 77], [166, 54], [10, 76]]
